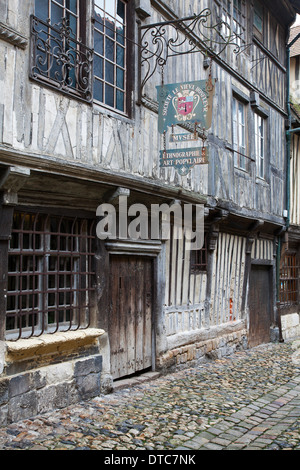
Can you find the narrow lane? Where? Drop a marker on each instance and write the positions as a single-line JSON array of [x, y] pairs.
[[250, 400]]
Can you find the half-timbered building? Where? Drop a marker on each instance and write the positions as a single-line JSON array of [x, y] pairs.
[[79, 128]]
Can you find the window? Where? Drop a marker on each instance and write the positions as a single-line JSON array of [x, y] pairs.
[[259, 124], [233, 14], [258, 16], [199, 258], [59, 57], [57, 10], [110, 61], [239, 133], [49, 275], [289, 279]]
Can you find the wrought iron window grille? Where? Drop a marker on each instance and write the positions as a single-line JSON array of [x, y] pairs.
[[158, 42], [60, 60], [50, 275], [289, 280]]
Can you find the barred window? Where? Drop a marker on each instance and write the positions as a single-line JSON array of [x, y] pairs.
[[199, 258], [289, 279], [110, 61], [50, 275]]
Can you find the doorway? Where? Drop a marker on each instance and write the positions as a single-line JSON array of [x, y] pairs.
[[260, 301], [130, 318]]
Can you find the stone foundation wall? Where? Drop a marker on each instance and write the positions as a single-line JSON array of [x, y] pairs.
[[49, 372], [215, 347], [26, 395]]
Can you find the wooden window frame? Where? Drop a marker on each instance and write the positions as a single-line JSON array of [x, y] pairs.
[[239, 134], [260, 145]]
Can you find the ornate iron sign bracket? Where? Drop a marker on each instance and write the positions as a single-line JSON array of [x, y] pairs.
[[199, 33]]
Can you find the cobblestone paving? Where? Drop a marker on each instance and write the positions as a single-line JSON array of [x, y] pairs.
[[250, 400]]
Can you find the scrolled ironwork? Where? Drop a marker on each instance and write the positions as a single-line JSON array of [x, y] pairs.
[[60, 60], [160, 41]]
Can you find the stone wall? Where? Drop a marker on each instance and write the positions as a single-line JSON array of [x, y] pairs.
[[217, 344], [41, 390], [48, 373], [290, 325]]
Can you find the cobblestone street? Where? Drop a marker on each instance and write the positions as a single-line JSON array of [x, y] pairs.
[[250, 400]]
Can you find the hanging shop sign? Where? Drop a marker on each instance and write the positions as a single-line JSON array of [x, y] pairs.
[[183, 160], [188, 137], [188, 103], [182, 103]]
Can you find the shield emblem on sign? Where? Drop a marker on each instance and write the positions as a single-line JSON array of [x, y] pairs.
[[185, 105]]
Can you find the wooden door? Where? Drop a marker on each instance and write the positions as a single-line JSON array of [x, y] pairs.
[[130, 318], [259, 305]]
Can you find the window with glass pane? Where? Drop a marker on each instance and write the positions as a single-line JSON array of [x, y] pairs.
[[239, 133], [59, 56], [57, 10], [110, 57], [233, 14], [259, 145], [258, 16]]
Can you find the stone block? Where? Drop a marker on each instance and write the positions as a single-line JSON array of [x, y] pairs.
[[290, 325], [57, 373], [88, 386], [20, 385], [4, 385], [175, 352], [92, 365], [22, 407], [3, 415], [66, 394], [2, 356], [289, 321], [46, 398], [38, 380], [191, 353]]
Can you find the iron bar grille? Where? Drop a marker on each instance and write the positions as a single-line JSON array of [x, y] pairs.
[[199, 258], [289, 280], [60, 60], [50, 275]]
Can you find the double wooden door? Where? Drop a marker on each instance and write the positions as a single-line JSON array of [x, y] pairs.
[[130, 317]]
